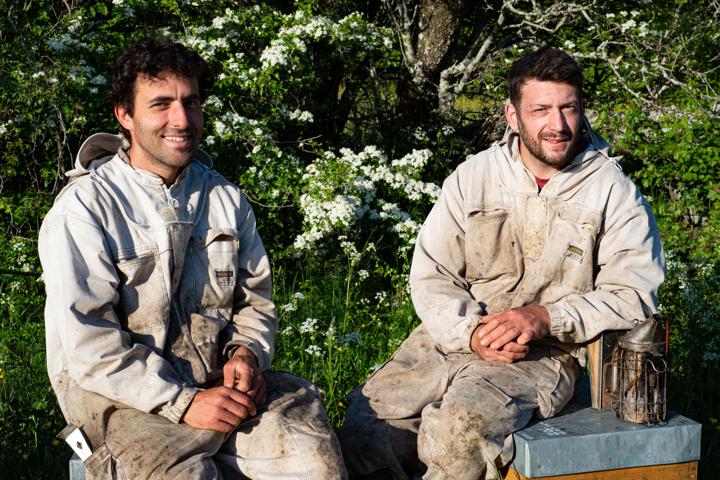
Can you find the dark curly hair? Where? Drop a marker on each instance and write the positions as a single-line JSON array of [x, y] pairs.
[[151, 57], [545, 64]]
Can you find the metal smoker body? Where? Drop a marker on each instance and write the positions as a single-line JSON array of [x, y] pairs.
[[639, 373]]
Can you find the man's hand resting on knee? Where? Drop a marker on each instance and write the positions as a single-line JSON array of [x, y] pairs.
[[503, 336], [223, 408], [219, 408]]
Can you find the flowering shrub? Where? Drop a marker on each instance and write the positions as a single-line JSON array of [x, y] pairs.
[[340, 191]]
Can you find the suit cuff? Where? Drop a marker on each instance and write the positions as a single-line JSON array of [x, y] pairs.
[[556, 320], [174, 411]]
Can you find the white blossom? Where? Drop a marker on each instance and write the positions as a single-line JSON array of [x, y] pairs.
[[314, 350], [214, 101], [301, 116], [309, 325], [275, 54], [288, 307], [627, 25]]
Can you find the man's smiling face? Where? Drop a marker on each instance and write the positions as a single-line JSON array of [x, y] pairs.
[[548, 120], [166, 123]]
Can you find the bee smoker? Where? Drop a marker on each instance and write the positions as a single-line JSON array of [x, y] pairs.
[[639, 373]]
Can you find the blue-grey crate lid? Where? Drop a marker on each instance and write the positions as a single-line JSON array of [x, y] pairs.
[[77, 469], [582, 439]]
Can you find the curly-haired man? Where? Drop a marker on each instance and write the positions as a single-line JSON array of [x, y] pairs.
[[160, 327]]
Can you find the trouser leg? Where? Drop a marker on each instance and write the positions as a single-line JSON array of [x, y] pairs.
[[379, 436], [375, 447], [149, 446], [467, 435], [289, 438], [462, 409], [128, 443]]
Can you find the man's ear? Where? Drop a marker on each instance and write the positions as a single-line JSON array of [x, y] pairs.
[[124, 117], [511, 116]]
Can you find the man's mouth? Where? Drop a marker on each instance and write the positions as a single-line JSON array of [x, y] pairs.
[[177, 138], [563, 138]]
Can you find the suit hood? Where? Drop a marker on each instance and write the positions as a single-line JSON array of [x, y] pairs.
[[101, 147]]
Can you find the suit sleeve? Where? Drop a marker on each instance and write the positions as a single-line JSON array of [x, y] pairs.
[[440, 292], [254, 321], [630, 268]]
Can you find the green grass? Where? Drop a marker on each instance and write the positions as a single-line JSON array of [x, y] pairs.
[[336, 328], [29, 415]]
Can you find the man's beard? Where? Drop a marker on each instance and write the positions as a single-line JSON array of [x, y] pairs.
[[535, 147]]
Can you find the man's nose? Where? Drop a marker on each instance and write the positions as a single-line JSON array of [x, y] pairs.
[[178, 116], [557, 122]]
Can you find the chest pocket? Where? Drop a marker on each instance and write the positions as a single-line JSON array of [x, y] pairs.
[[143, 302], [215, 257], [575, 238], [489, 244]]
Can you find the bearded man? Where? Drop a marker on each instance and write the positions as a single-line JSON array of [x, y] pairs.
[[535, 247]]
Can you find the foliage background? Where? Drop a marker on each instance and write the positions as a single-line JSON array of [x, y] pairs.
[[340, 119]]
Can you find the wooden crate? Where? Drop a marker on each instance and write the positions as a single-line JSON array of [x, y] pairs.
[[676, 471]]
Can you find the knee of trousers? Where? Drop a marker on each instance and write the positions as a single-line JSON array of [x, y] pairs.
[[293, 430], [461, 438]]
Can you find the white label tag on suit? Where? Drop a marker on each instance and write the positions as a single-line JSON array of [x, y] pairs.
[[77, 440]]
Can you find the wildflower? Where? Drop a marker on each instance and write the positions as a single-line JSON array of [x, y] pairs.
[[309, 325], [352, 337], [299, 296], [288, 307], [330, 334], [363, 274], [314, 350]]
